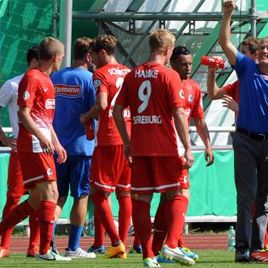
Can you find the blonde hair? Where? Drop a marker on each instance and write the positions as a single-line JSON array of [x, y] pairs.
[[50, 47], [160, 40]]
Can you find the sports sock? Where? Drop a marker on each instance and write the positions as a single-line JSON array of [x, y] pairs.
[[34, 230], [99, 231], [143, 226], [11, 203], [175, 218], [160, 228], [137, 241], [102, 207], [18, 214], [125, 209], [181, 241], [46, 219], [74, 237]]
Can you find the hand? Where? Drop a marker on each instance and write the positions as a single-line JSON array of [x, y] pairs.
[[209, 157], [127, 153], [61, 154], [83, 118], [46, 145], [230, 103], [228, 6], [189, 159], [10, 142]]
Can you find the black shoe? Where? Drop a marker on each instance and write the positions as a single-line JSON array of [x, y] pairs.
[[242, 255], [54, 247]]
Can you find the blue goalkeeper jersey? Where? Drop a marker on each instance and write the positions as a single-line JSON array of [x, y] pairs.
[[75, 94]]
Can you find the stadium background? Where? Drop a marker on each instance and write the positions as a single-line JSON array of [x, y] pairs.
[[25, 23]]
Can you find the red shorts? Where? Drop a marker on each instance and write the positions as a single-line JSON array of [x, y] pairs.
[[36, 168], [158, 174], [110, 169], [15, 178]]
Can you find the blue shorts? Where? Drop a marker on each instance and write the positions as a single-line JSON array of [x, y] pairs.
[[74, 174]]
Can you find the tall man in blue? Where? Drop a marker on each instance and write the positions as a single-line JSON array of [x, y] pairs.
[[75, 94], [250, 142]]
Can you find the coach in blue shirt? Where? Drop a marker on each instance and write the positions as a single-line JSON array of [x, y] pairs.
[[250, 143]]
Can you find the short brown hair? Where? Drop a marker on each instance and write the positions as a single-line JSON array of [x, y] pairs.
[[81, 47], [252, 43], [161, 39], [106, 42], [50, 47]]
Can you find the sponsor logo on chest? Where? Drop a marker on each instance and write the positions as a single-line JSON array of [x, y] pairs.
[[50, 104], [68, 91]]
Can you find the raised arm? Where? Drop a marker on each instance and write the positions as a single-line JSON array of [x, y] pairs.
[[225, 32]]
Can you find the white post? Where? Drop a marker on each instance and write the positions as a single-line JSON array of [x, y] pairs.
[[66, 11]]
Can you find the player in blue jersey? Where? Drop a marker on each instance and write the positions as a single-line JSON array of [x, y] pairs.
[[75, 94], [250, 143]]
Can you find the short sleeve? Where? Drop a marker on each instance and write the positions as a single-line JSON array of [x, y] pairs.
[[198, 112], [27, 91], [6, 92]]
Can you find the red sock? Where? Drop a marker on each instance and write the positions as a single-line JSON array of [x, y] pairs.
[[143, 226], [102, 208], [46, 219], [175, 217], [6, 236], [181, 241], [18, 214], [137, 241], [125, 210], [99, 231], [160, 228], [266, 238], [34, 231]]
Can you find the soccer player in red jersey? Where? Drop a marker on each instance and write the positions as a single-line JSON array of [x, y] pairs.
[[15, 188], [36, 144], [155, 98], [109, 170], [181, 61]]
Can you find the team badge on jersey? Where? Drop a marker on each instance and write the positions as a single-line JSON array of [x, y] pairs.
[[97, 83], [190, 98], [26, 95], [181, 94], [49, 172]]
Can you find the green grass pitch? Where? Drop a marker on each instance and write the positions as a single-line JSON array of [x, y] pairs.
[[208, 258]]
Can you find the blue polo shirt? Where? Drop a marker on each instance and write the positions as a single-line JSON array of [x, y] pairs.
[[74, 94], [253, 96]]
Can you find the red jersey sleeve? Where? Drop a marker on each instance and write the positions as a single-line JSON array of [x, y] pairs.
[[100, 82], [27, 91], [198, 112], [232, 90]]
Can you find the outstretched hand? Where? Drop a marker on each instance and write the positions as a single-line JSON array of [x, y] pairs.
[[228, 6]]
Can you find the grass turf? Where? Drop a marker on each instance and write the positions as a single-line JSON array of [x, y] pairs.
[[208, 258]]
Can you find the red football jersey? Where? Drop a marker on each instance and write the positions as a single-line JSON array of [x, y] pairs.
[[36, 91], [193, 105], [193, 100], [151, 92], [109, 79], [232, 90]]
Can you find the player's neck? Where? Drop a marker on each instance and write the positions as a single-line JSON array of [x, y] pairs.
[[157, 58]]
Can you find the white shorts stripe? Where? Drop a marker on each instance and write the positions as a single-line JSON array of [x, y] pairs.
[[104, 186], [33, 179], [155, 188]]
